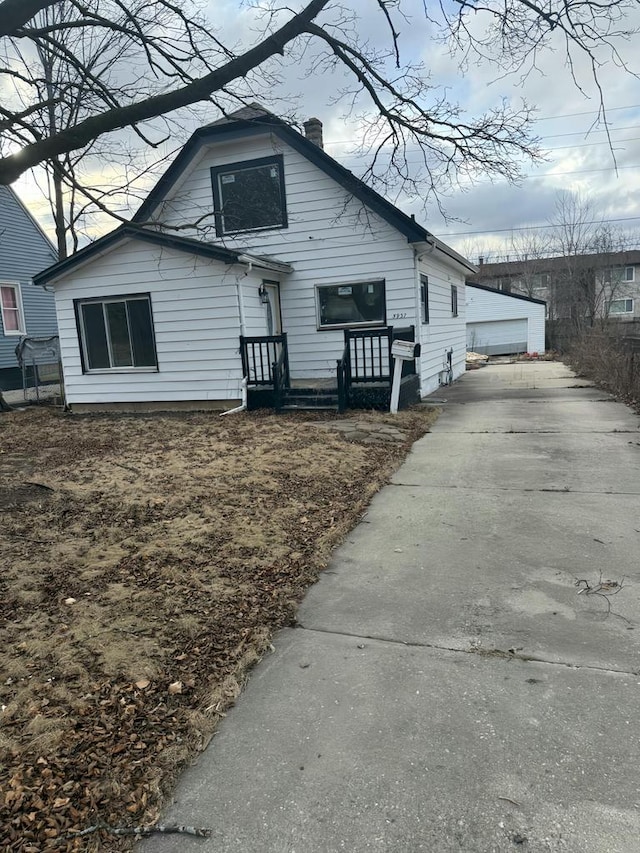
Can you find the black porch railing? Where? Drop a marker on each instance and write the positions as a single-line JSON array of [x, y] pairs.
[[260, 355], [366, 358], [280, 373]]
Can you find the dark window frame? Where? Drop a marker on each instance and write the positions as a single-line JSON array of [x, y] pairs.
[[454, 300], [240, 165], [351, 324], [424, 298], [82, 337]]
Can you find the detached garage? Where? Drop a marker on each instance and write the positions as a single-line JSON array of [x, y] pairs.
[[501, 323]]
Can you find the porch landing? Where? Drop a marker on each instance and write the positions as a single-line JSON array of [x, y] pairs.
[[322, 394]]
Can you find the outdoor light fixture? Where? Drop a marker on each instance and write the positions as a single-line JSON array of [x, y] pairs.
[[264, 295]]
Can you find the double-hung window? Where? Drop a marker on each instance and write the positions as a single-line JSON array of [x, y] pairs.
[[249, 196], [629, 273], [454, 300], [358, 304], [621, 306], [12, 314], [424, 298], [117, 333]]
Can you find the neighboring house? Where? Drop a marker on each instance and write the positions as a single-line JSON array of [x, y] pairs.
[[257, 248], [24, 308], [502, 323], [579, 287]]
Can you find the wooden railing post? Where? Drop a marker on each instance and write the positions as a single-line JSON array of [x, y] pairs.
[[258, 355]]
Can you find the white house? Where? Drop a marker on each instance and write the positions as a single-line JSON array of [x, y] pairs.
[[257, 259], [502, 323]]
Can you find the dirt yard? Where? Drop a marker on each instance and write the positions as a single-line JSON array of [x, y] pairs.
[[145, 563]]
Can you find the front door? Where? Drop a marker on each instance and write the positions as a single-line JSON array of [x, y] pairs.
[[272, 307]]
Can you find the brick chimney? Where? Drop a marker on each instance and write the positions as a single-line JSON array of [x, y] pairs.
[[313, 131]]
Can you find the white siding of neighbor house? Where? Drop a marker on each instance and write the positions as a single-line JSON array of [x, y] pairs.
[[485, 307], [194, 303], [443, 331], [329, 240]]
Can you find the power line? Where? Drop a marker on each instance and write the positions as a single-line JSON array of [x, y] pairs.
[[591, 132], [581, 172], [588, 112], [613, 142], [539, 227], [539, 118]]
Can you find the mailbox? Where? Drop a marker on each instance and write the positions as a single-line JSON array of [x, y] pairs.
[[406, 350]]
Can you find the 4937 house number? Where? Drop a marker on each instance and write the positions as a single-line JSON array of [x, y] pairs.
[[402, 315]]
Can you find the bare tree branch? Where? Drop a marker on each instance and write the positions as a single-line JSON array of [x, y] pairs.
[[169, 60]]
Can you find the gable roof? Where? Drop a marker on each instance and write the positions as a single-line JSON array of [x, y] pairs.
[[505, 293], [25, 249], [254, 120], [158, 238], [25, 210]]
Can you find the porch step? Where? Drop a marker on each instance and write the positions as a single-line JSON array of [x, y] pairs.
[[288, 408], [309, 399]]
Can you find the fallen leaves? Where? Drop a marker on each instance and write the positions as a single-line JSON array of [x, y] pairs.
[[137, 595]]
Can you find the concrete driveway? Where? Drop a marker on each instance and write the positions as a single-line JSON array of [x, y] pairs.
[[464, 676]]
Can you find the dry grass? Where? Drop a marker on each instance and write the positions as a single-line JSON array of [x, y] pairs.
[[603, 357], [139, 588]]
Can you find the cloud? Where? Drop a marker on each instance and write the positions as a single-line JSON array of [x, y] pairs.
[[578, 156]]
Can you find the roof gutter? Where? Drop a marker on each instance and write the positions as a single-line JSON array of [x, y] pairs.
[[264, 263]]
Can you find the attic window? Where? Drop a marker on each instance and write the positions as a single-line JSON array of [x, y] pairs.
[[249, 196]]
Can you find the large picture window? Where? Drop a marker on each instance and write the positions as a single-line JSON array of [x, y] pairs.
[[117, 333], [11, 304], [351, 304], [249, 196]]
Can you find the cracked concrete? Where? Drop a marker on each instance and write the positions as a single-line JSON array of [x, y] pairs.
[[447, 688], [473, 650]]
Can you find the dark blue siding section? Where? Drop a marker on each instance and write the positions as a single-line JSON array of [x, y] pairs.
[[24, 251]]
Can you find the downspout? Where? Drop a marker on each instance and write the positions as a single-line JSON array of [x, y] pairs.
[[245, 379], [243, 404]]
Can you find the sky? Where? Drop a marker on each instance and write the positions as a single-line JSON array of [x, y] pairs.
[[486, 216]]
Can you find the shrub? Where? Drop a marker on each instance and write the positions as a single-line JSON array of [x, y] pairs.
[[607, 360]]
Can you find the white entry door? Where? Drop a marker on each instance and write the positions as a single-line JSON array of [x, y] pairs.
[[272, 307]]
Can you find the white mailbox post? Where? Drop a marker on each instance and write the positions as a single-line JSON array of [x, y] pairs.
[[401, 351]]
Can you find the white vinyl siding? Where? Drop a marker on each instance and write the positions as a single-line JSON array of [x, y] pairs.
[[329, 239], [504, 323], [195, 317], [199, 306], [443, 332]]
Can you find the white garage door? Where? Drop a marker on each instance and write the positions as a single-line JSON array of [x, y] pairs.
[[498, 337]]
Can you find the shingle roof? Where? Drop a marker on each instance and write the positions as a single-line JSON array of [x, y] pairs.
[[259, 121], [185, 244], [540, 265]]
